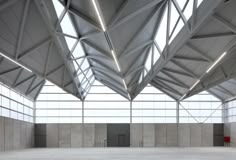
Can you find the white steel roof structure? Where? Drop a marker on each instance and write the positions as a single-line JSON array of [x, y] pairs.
[[181, 47]]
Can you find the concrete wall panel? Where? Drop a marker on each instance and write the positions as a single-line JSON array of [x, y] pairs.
[[136, 135], [14, 134], [227, 127], [22, 135], [184, 135], [89, 135], [9, 124], [2, 133], [148, 135], [100, 135], [76, 135], [195, 135], [64, 135], [161, 135], [52, 135], [16, 137], [207, 135], [233, 134], [172, 135]]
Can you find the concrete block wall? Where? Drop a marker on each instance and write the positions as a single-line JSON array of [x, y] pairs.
[[233, 134], [76, 135], [141, 135], [15, 134], [136, 135], [171, 135], [160, 135], [148, 135], [100, 135], [72, 135], [230, 130]]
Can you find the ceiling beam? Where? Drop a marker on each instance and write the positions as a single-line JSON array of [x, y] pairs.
[[118, 13], [84, 17], [104, 71], [135, 49], [89, 35], [1, 60], [135, 13], [141, 28], [45, 70], [176, 80], [22, 28], [104, 67], [96, 57], [225, 22], [110, 80], [214, 35], [45, 15], [134, 70], [180, 13], [7, 4], [39, 90], [167, 92], [170, 82], [17, 77], [30, 85], [166, 86], [184, 69], [200, 53], [192, 59], [36, 86], [55, 69], [100, 50], [24, 80], [9, 70], [34, 48], [203, 15]]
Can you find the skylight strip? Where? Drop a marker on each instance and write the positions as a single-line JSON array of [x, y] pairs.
[[15, 62], [124, 84], [216, 62], [114, 57], [194, 85], [99, 15]]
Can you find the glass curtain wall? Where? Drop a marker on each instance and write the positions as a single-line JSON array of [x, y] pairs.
[[153, 106], [201, 108], [56, 106], [103, 105], [230, 111], [14, 105]]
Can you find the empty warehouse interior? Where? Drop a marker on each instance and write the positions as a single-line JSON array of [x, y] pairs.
[[117, 79]]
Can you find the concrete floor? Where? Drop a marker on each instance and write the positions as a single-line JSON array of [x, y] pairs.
[[122, 154]]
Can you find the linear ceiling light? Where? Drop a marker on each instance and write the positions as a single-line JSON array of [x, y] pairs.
[[194, 85], [129, 96], [183, 97], [114, 57], [99, 15], [124, 84], [217, 61], [15, 62]]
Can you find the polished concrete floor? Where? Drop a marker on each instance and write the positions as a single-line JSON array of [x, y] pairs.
[[122, 154]]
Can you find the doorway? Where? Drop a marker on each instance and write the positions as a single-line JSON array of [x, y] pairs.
[[118, 135]]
